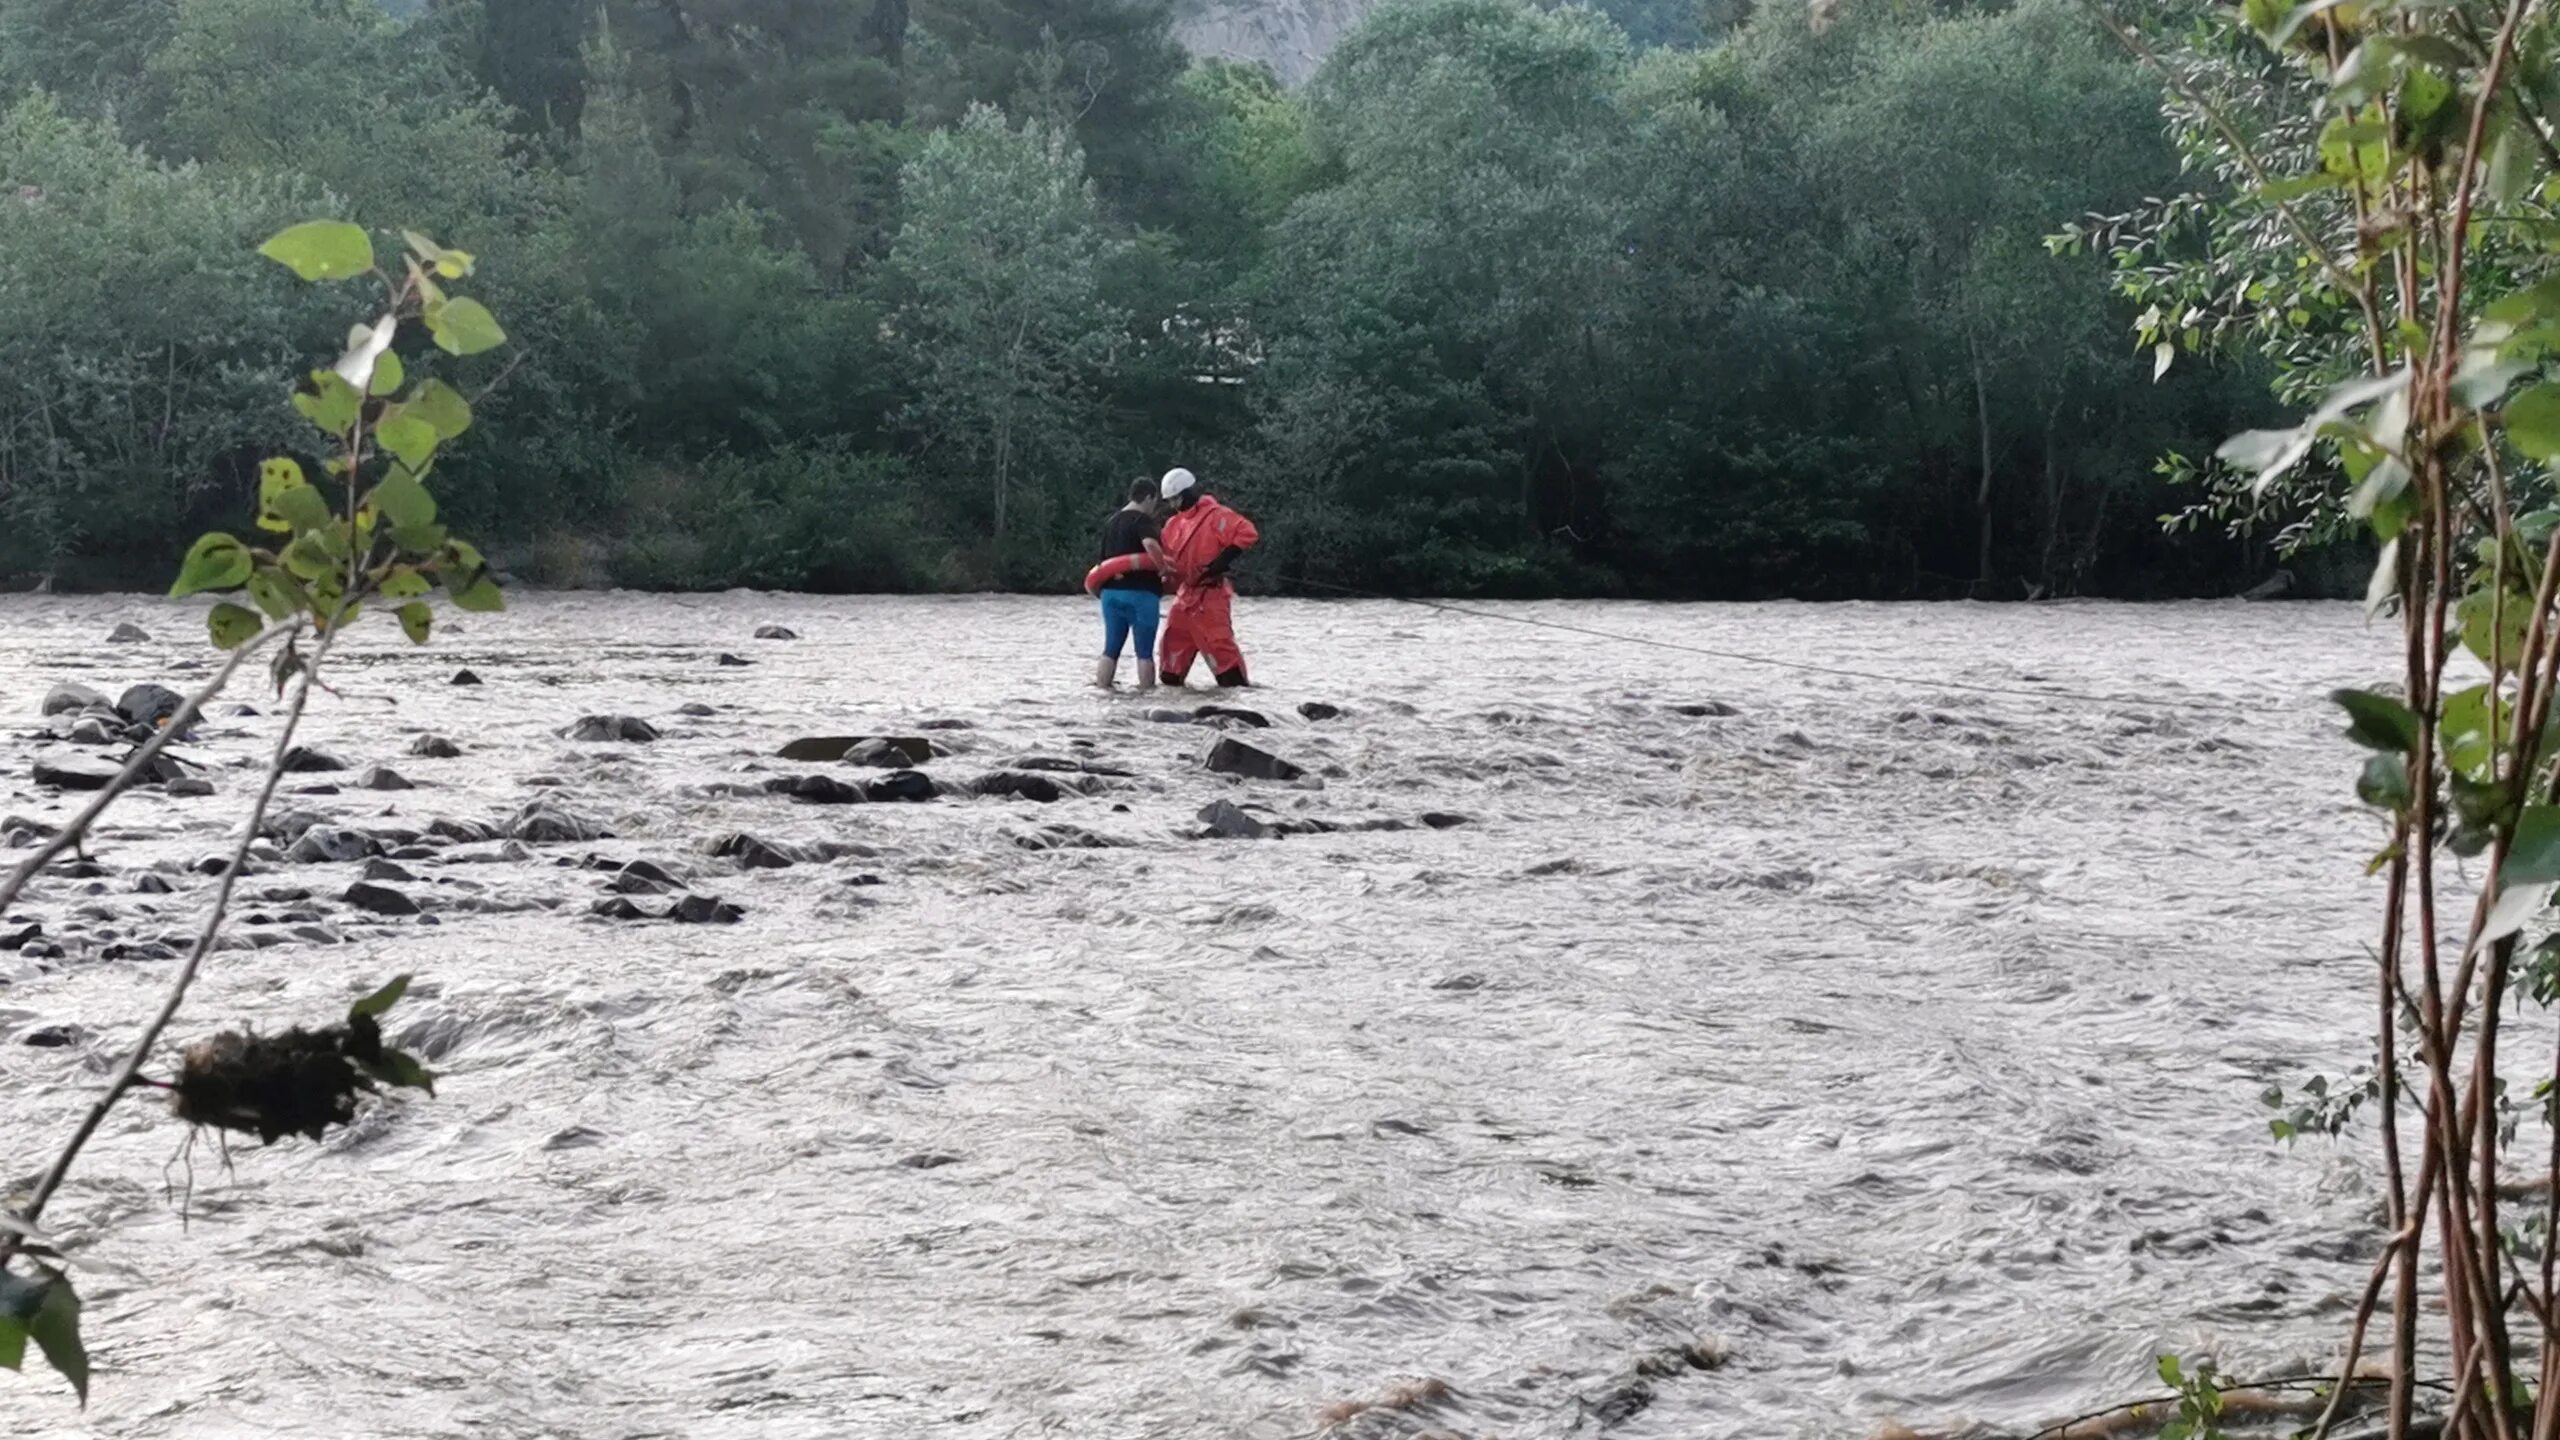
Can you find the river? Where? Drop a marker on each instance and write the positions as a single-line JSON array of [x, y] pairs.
[[1894, 1049]]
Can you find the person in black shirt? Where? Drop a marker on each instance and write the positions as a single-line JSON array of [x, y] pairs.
[[1130, 602]]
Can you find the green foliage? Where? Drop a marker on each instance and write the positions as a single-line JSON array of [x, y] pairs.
[[2199, 1415], [44, 1309]]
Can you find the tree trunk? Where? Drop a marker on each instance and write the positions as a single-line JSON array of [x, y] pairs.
[[1982, 496]]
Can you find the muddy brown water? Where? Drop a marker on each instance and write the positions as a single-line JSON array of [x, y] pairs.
[[1901, 1042]]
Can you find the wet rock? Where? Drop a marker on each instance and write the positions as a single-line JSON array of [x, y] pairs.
[[52, 1037], [1444, 820], [776, 632], [20, 939], [618, 908], [434, 747], [331, 844], [541, 823], [93, 730], [642, 878], [705, 910], [1234, 757], [311, 760], [1251, 719], [900, 785], [190, 787], [608, 729], [696, 709], [816, 790], [1228, 821], [415, 852], [1318, 710], [734, 661], [928, 1160], [128, 633], [946, 725], [1009, 785], [379, 899], [387, 872], [1621, 1404], [753, 853], [463, 832], [1047, 837], [887, 752], [1163, 716], [464, 677], [1459, 982], [149, 883], [1704, 709], [69, 699], [290, 825], [383, 777], [61, 770], [148, 704]]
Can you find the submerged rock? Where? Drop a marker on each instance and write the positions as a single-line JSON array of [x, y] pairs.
[[379, 899], [1009, 785], [190, 787], [1704, 709], [383, 777], [434, 747], [464, 677], [128, 633], [67, 698], [311, 760], [1234, 757], [776, 632], [384, 870], [887, 752], [332, 844], [542, 823], [816, 790], [902, 785], [466, 832], [734, 661], [754, 853], [705, 910], [604, 729], [1253, 719], [61, 770], [696, 709], [1318, 710], [1228, 821]]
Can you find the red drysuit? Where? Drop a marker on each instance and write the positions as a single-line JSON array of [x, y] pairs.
[[1199, 623]]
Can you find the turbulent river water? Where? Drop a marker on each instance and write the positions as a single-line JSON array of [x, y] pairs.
[[1897, 1046]]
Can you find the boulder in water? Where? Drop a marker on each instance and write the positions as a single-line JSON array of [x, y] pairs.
[[1012, 785], [61, 770], [466, 832], [1234, 757], [882, 751], [93, 730], [311, 760], [434, 747], [1443, 820], [1704, 709], [541, 823], [901, 785], [1319, 710], [465, 677], [387, 872], [776, 632], [696, 709], [1237, 714], [332, 844], [754, 853], [129, 633], [618, 908], [149, 704], [67, 699], [383, 777], [605, 729], [1228, 821], [379, 899], [705, 910], [816, 790], [190, 787]]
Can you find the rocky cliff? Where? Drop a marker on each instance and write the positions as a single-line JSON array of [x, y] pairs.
[[1290, 36]]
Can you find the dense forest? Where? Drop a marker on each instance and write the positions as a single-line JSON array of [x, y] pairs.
[[1665, 298]]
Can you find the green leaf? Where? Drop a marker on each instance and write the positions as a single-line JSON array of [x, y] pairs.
[[308, 557], [331, 403], [380, 1000], [418, 539], [47, 1311], [442, 406], [2532, 420], [482, 595], [2512, 157], [2384, 783], [215, 562], [322, 250], [2533, 855], [2470, 718], [2492, 631], [463, 326], [277, 593], [2378, 722], [404, 583], [405, 502], [2285, 192], [233, 625], [408, 437], [2170, 1374], [388, 375], [451, 264], [399, 1067], [417, 618]]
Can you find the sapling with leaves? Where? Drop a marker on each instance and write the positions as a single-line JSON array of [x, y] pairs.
[[313, 572]]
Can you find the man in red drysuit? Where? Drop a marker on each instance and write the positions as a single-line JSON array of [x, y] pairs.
[[1201, 539]]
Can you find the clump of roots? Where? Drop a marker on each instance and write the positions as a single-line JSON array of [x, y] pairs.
[[299, 1082]]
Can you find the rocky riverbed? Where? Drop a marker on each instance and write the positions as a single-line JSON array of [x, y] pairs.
[[1480, 1030]]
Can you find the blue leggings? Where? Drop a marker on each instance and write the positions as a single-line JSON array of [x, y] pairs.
[[1126, 613]]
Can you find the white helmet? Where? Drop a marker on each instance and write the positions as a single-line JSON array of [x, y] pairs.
[[1178, 480]]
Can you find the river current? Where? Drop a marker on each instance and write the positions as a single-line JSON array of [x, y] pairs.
[[1878, 1052]]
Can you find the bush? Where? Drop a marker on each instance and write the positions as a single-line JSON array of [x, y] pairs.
[[819, 517]]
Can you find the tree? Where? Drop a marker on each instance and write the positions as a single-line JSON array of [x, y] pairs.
[[1006, 331]]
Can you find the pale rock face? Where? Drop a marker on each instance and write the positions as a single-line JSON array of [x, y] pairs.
[[1290, 36]]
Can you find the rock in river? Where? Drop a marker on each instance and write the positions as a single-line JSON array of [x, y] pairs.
[[379, 899], [311, 760], [775, 632], [434, 747], [1011, 784], [64, 771], [67, 698], [1228, 821], [148, 704], [755, 853], [601, 729], [1319, 710], [334, 844], [1234, 757], [129, 633], [886, 752], [383, 777], [1251, 719], [543, 824]]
